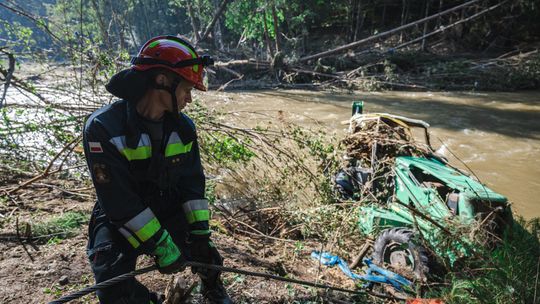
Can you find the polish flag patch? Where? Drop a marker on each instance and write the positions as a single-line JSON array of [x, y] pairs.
[[95, 147]]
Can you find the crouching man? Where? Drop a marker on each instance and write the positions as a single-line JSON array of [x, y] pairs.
[[144, 160]]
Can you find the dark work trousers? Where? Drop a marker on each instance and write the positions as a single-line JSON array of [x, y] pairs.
[[111, 255]]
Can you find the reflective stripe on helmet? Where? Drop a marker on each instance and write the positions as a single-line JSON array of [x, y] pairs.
[[193, 54]]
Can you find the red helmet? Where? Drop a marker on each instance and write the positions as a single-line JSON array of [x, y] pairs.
[[176, 55]]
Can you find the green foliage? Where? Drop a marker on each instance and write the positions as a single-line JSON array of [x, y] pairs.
[[23, 35], [247, 18], [59, 227], [508, 274], [210, 192], [226, 150], [314, 143]]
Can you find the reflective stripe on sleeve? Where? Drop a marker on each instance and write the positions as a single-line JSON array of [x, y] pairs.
[[196, 210], [144, 225], [130, 238]]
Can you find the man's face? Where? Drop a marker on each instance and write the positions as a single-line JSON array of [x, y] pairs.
[[183, 94]]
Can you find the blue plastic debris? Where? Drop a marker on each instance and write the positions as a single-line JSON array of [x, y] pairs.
[[374, 273]]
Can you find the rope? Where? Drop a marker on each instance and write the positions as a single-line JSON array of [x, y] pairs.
[[120, 278]]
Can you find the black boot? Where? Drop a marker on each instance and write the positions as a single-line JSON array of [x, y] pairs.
[[214, 292], [156, 298]]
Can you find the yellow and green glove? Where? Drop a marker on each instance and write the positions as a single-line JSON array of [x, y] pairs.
[[168, 257]]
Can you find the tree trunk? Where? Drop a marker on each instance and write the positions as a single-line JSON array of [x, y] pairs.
[[276, 29], [193, 21], [101, 23], [440, 8], [146, 24], [403, 8], [383, 15], [218, 14], [218, 37], [351, 17], [118, 27], [266, 35], [425, 26], [8, 76], [360, 17]]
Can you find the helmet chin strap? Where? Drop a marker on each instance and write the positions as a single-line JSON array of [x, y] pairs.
[[172, 90]]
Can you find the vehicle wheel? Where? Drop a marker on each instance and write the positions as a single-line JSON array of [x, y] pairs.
[[395, 247]]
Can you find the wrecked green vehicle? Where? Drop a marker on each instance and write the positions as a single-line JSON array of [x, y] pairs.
[[419, 210]]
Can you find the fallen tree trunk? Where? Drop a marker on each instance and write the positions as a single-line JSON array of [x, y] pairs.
[[383, 34], [443, 28], [242, 62]]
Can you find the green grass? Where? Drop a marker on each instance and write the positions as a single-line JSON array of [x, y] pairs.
[[60, 227]]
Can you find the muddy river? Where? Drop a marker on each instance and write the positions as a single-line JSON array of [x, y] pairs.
[[496, 134]]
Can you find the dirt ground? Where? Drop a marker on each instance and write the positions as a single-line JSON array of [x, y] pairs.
[[39, 272]]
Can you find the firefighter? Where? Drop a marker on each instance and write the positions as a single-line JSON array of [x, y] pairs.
[[143, 156]]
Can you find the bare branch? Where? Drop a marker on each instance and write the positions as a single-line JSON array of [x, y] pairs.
[[9, 76]]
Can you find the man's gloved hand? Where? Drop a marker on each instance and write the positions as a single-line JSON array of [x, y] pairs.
[[168, 257], [204, 251]]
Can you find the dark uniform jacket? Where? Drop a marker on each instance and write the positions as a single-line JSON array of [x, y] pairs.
[[138, 186]]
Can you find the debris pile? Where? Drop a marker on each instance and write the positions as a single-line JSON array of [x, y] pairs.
[[380, 138], [372, 144]]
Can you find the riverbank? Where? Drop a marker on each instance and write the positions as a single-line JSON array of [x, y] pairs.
[[43, 238], [383, 69]]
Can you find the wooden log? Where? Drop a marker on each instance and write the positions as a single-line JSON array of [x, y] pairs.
[[242, 62], [313, 73]]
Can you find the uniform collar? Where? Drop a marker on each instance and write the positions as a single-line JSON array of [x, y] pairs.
[[171, 123]]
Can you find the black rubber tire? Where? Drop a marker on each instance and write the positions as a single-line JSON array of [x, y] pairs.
[[395, 247]]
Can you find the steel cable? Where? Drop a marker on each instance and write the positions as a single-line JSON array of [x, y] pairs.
[[132, 274], [103, 285]]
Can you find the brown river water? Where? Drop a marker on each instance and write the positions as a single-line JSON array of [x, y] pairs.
[[497, 135]]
